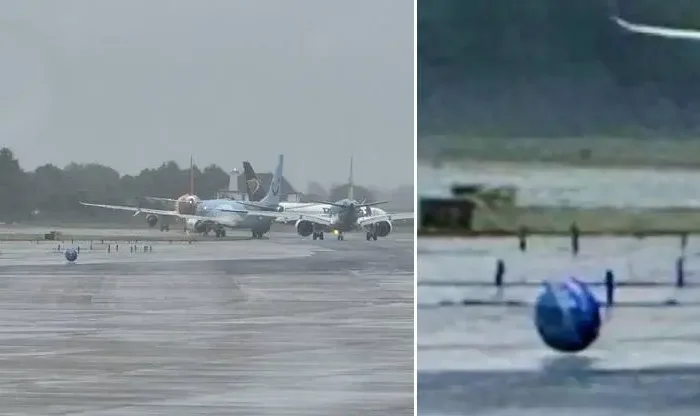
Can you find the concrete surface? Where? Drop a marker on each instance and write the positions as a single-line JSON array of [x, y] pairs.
[[284, 326], [30, 233], [488, 360], [143, 233], [565, 186], [591, 221]]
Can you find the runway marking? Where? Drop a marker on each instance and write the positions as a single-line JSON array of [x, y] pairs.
[[7, 355]]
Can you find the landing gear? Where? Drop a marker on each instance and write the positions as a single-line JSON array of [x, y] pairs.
[[165, 228], [318, 235], [220, 232], [341, 237], [257, 235], [371, 236]]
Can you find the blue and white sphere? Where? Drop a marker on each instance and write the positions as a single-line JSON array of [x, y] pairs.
[[567, 315], [71, 255]]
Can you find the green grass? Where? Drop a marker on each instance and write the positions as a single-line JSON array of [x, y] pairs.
[[604, 151]]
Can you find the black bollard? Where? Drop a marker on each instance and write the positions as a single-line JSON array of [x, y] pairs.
[[522, 239], [109, 248], [680, 272], [116, 247], [575, 235], [500, 272], [498, 278], [684, 241], [609, 287]]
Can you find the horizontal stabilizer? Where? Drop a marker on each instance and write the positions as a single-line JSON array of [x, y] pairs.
[[362, 205]]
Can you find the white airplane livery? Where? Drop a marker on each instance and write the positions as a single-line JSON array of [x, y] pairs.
[[337, 217]]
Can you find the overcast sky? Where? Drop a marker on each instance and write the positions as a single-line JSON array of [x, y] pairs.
[[131, 83]]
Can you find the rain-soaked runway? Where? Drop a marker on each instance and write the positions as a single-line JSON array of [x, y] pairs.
[[271, 327], [488, 360]]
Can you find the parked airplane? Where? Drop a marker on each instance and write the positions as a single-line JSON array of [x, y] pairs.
[[337, 217], [348, 215], [255, 188], [188, 202], [185, 204], [219, 214]]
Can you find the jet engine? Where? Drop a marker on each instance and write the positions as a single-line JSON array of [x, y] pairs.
[[383, 228], [152, 220], [304, 228], [196, 225]]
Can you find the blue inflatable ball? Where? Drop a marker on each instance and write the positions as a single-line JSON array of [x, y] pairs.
[[567, 315], [71, 255]]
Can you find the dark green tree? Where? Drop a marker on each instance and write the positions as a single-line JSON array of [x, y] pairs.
[[50, 192], [549, 68], [15, 189]]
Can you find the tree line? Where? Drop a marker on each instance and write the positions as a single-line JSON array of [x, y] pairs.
[[549, 68], [53, 193]]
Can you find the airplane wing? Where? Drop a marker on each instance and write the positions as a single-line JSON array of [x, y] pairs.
[[264, 214], [254, 205], [268, 208], [135, 210], [364, 221], [159, 199], [316, 219], [658, 31]]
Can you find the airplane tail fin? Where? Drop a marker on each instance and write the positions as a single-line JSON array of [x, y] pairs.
[[254, 188], [351, 184], [272, 198], [191, 176]]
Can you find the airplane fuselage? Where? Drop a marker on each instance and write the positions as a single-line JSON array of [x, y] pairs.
[[343, 217], [320, 209], [229, 214]]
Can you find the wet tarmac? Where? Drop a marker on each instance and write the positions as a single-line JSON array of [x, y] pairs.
[[260, 327], [95, 233], [488, 359]]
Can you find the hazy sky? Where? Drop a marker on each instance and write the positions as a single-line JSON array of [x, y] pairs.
[[131, 83]]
